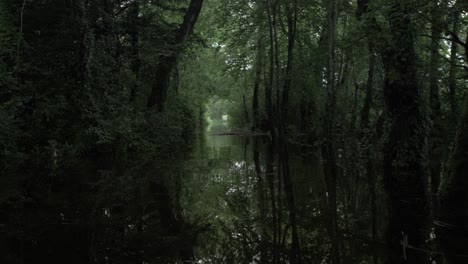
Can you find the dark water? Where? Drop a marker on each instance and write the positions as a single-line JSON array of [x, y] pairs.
[[259, 201], [259, 209]]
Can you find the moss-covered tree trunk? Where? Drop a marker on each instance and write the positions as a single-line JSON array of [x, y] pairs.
[[404, 157]]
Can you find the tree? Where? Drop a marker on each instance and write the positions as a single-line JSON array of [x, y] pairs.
[[404, 156], [167, 61], [451, 222], [328, 145]]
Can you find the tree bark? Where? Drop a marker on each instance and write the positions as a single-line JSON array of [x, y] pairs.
[[292, 24], [258, 75], [404, 157], [245, 110], [269, 88], [295, 254], [270, 159], [453, 72], [166, 64], [328, 145], [261, 202], [135, 39], [289, 190], [437, 129]]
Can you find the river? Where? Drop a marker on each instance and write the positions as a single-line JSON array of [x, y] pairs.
[[258, 207]]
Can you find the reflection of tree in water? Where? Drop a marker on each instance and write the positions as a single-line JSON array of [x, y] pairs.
[[237, 202], [246, 206]]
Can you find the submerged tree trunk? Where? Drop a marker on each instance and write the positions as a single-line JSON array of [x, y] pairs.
[[270, 148], [166, 63], [261, 192], [404, 157], [295, 254], [270, 159]]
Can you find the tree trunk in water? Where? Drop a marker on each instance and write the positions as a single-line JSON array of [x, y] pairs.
[[166, 64], [328, 145], [404, 170], [295, 256], [453, 218], [367, 137], [261, 203], [437, 130], [270, 159]]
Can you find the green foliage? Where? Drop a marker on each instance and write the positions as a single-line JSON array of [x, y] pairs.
[[73, 145]]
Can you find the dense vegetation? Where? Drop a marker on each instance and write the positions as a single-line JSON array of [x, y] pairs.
[[104, 103]]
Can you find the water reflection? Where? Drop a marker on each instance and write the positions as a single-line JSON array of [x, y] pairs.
[[259, 210]]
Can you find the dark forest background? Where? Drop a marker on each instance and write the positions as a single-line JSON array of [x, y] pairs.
[[101, 102]]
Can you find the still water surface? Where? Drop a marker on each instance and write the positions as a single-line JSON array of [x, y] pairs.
[[254, 214]]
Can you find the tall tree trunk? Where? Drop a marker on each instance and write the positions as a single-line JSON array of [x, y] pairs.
[[367, 143], [166, 63], [404, 157], [269, 89], [292, 23], [271, 146], [453, 218], [246, 111], [365, 111], [277, 60], [452, 82], [258, 75], [328, 145], [284, 156], [437, 131], [135, 39], [366, 137]]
